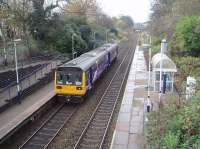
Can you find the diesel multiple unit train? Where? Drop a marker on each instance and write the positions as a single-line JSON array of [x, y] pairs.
[[74, 79]]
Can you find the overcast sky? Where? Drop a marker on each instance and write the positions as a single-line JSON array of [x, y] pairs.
[[138, 9]]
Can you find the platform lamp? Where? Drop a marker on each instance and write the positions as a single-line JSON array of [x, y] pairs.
[[149, 79], [94, 38], [73, 49], [162, 49], [16, 67], [107, 31], [4, 43]]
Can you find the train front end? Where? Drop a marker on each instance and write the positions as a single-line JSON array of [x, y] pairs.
[[70, 83]]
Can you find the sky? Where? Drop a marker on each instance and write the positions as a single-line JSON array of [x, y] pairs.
[[139, 10]]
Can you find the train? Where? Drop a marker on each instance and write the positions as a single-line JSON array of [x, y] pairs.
[[75, 79]]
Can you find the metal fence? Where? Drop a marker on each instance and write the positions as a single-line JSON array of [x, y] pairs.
[[27, 81]]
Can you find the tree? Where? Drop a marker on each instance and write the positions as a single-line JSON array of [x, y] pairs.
[[81, 7], [166, 13], [187, 36], [63, 41]]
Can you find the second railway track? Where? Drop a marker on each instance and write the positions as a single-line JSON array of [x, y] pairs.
[[44, 135], [94, 134], [50, 127]]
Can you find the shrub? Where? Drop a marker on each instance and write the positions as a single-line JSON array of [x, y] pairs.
[[170, 141], [187, 36]]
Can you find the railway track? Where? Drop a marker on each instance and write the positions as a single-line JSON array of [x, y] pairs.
[[94, 133], [45, 134]]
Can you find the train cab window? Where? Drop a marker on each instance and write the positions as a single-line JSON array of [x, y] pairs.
[[69, 77]]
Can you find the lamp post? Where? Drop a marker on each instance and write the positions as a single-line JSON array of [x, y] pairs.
[[94, 38], [16, 67], [149, 79], [163, 48], [73, 49], [107, 36], [4, 43]]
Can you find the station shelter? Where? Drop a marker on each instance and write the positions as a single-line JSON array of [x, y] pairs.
[[168, 70]]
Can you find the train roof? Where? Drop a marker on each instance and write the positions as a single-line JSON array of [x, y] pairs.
[[86, 60]]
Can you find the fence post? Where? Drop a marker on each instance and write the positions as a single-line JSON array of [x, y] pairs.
[[46, 67], [20, 84], [29, 81], [9, 93], [35, 76], [41, 72]]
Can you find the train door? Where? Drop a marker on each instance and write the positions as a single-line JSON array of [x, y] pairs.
[[109, 58], [91, 77]]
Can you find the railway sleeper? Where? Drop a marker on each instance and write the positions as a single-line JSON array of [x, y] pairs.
[[115, 90], [94, 135], [90, 141], [62, 115], [95, 131], [41, 139], [59, 118], [86, 146], [34, 146], [97, 123], [105, 115], [43, 134], [100, 119], [50, 129], [51, 125], [57, 121], [41, 142], [94, 138], [106, 108], [106, 105], [110, 101], [105, 112], [111, 95]]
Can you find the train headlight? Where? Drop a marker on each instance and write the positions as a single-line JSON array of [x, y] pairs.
[[59, 87], [79, 88]]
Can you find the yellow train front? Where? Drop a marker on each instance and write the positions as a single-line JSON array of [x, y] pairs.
[[70, 82], [76, 78]]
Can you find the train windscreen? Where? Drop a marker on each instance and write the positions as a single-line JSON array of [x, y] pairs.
[[69, 76]]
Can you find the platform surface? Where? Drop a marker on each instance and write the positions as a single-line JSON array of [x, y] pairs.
[[129, 130], [16, 114], [33, 79]]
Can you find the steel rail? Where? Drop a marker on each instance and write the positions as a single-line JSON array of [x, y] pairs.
[[40, 142], [111, 88]]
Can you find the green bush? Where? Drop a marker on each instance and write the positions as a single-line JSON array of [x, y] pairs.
[[181, 127], [170, 141], [63, 41], [187, 36]]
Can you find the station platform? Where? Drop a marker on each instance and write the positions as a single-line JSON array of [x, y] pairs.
[[11, 119], [129, 129], [8, 95]]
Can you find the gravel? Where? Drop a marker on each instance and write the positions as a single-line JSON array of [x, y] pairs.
[[72, 130]]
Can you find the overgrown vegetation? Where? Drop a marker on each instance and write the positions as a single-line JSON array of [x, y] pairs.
[[176, 124], [187, 36], [178, 127]]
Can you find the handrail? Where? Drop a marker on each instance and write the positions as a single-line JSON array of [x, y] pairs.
[[25, 77]]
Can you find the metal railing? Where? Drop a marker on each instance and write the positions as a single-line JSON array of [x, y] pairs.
[[27, 81]]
